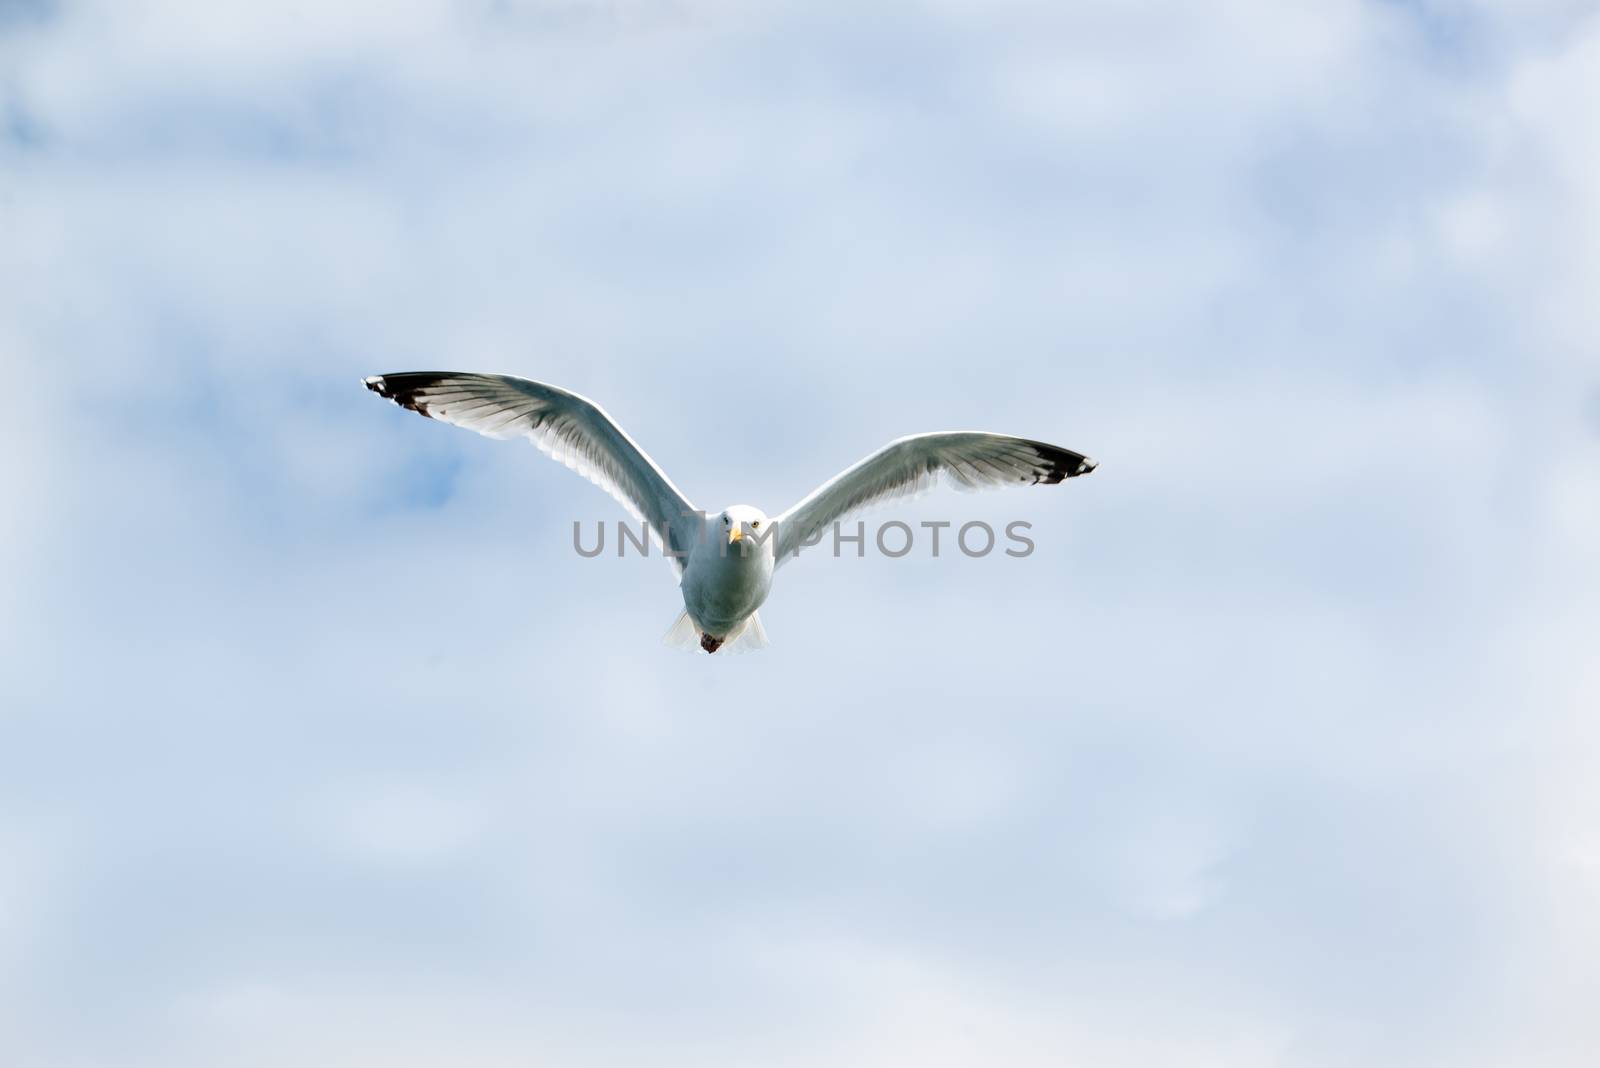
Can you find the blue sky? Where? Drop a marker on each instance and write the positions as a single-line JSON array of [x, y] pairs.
[[319, 744]]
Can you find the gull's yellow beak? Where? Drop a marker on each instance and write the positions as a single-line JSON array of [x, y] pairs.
[[736, 533]]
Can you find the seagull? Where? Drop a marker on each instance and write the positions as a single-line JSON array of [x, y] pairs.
[[725, 562]]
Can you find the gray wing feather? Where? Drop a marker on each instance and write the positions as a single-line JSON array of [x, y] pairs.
[[970, 459], [572, 430]]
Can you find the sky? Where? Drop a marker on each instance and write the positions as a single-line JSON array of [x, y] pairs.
[[319, 744]]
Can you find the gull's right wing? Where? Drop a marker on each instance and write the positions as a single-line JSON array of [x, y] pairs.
[[565, 426]]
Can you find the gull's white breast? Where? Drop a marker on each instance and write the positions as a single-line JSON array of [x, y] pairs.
[[723, 584]]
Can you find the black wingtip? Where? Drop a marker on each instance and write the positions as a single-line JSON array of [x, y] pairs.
[[1064, 463], [405, 388]]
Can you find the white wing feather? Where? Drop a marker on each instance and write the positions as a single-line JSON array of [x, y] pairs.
[[570, 429], [971, 459]]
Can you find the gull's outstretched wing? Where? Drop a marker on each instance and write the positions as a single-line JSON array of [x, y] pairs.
[[565, 426], [910, 465]]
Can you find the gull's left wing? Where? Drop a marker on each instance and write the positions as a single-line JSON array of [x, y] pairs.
[[568, 428], [910, 465]]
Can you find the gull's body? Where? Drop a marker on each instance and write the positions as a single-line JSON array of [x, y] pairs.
[[725, 582], [725, 560]]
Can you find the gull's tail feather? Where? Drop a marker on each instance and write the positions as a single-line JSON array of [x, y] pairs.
[[683, 634], [747, 637]]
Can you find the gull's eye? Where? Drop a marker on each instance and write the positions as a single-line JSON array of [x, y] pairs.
[[755, 522], [725, 520]]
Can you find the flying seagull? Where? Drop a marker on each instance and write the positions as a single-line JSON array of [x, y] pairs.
[[725, 561]]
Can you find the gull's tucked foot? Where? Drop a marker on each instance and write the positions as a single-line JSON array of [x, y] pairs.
[[710, 644]]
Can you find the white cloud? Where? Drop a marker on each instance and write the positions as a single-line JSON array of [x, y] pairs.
[[1276, 752], [401, 824]]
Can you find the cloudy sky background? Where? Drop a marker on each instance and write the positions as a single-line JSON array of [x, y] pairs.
[[318, 744]]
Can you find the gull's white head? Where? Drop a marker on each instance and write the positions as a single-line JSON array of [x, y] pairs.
[[743, 521]]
